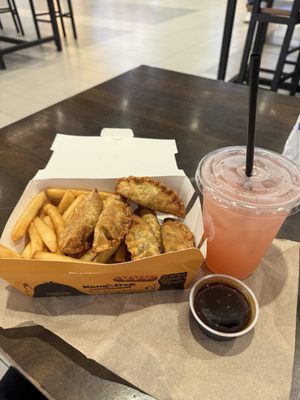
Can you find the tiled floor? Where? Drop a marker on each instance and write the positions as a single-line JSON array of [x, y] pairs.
[[115, 36]]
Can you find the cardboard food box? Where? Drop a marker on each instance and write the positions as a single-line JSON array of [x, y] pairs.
[[96, 162]]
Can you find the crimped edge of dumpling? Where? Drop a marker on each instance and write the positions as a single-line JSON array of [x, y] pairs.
[[174, 197]]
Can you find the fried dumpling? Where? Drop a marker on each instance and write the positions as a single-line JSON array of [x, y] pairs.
[[112, 225], [150, 217], [151, 194], [176, 235], [140, 239], [80, 224], [121, 253]]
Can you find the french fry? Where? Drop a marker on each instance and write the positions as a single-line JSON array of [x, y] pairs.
[[47, 234], [56, 194], [56, 218], [49, 222], [5, 252], [26, 218], [72, 207], [105, 195], [105, 255], [42, 214], [41, 255], [88, 255], [65, 202], [35, 239], [27, 252]]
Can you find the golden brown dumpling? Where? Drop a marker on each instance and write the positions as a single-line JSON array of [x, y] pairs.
[[140, 239], [112, 225], [150, 217], [80, 224], [176, 235], [151, 194]]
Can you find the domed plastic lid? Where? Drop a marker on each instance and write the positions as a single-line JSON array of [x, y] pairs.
[[274, 185]]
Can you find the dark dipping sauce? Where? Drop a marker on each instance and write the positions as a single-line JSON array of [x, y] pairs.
[[222, 308]]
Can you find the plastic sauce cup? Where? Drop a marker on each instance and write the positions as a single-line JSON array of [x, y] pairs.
[[241, 214]]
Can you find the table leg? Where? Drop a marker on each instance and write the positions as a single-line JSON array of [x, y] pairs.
[[229, 19], [72, 19], [16, 17], [61, 17], [54, 24], [2, 63], [37, 29]]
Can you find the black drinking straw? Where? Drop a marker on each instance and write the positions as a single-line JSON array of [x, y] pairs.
[[253, 88]]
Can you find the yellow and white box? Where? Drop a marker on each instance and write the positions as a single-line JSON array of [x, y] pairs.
[[96, 162]]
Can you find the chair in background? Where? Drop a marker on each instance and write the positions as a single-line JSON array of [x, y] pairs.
[[11, 8], [59, 13], [259, 21]]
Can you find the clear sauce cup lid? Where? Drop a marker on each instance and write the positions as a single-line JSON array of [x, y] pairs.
[[273, 187]]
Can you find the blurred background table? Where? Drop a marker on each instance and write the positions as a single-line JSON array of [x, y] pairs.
[[20, 43], [201, 114], [285, 72]]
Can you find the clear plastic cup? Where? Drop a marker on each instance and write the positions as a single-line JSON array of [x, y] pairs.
[[241, 214]]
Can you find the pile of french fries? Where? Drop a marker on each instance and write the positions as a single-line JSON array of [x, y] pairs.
[[43, 221]]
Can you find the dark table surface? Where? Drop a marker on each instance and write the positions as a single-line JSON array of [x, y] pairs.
[[200, 114]]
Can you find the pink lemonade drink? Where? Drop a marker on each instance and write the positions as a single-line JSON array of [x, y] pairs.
[[242, 215]]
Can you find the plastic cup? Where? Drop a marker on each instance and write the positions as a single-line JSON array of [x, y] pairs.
[[241, 214]]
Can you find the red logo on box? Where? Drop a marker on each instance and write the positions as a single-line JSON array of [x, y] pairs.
[[135, 278]]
